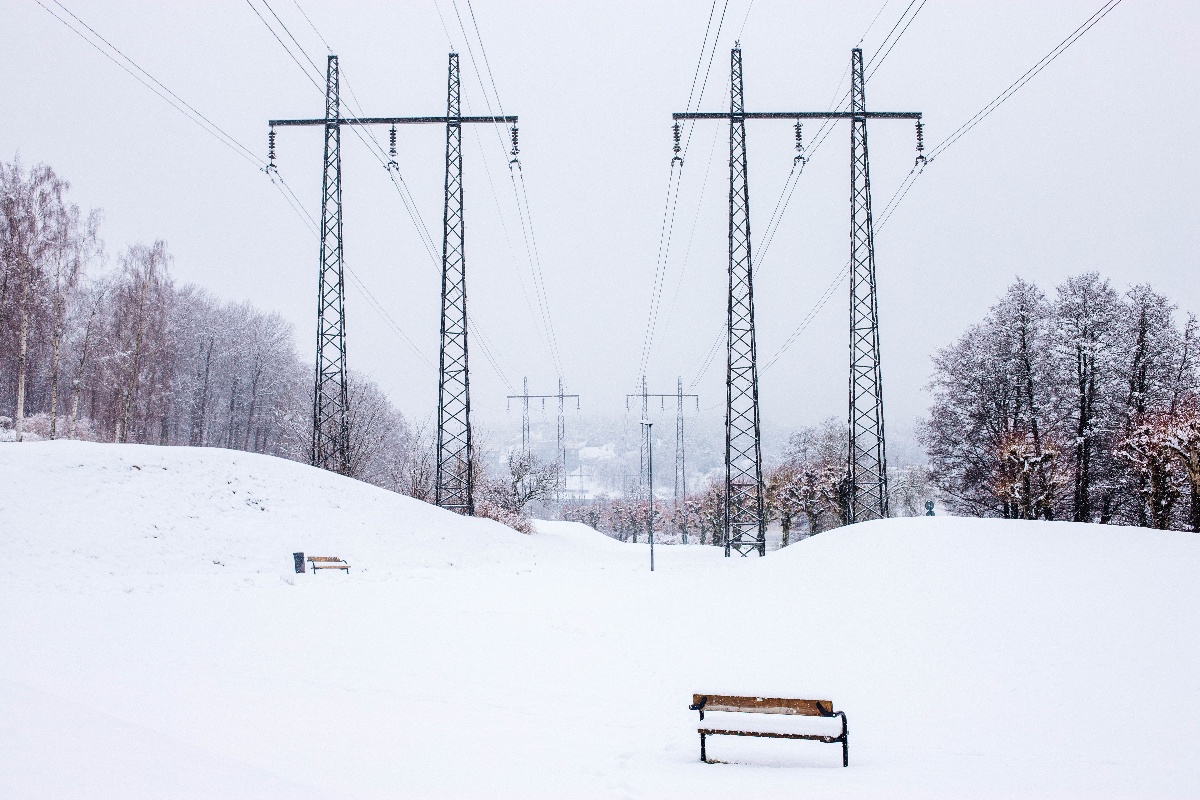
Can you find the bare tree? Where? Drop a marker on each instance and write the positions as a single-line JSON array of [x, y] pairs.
[[31, 211]]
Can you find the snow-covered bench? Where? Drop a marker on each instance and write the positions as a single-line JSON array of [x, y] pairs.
[[328, 562], [722, 722]]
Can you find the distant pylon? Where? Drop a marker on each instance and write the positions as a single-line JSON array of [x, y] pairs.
[[680, 471], [525, 397], [525, 434], [455, 474], [330, 432], [642, 477], [867, 461], [680, 476], [745, 522], [561, 453]]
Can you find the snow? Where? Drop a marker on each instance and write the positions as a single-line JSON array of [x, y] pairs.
[[158, 644]]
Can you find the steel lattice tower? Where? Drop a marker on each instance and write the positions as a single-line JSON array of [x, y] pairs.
[[330, 443], [526, 433], [642, 477], [561, 455], [745, 523], [330, 433], [866, 470], [680, 467], [454, 482], [680, 479], [867, 464]]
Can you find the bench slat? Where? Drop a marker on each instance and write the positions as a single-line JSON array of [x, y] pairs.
[[331, 566], [771, 735], [326, 558], [765, 705]]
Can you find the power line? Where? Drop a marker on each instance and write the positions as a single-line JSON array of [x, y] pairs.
[[307, 219], [1029, 74], [910, 179], [670, 204], [380, 155], [823, 132], [153, 84], [299, 47], [520, 193], [542, 322], [190, 112]]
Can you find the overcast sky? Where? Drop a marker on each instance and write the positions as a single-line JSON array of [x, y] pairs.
[[1091, 166]]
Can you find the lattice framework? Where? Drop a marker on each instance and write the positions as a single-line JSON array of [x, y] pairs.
[[866, 469], [331, 405], [745, 522], [455, 460]]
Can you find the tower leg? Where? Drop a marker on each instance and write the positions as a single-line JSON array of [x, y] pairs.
[[745, 524], [866, 470], [680, 472], [562, 435], [455, 475], [330, 431]]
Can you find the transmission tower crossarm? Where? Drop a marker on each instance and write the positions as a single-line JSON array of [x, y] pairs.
[[545, 397], [866, 492], [392, 121], [682, 115], [525, 397]]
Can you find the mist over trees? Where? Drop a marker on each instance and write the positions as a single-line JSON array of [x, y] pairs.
[[112, 349], [1079, 406], [805, 493], [1082, 405]]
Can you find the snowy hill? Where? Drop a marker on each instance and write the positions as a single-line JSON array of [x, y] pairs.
[[157, 644]]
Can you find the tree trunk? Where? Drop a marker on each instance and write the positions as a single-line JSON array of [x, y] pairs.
[[22, 357], [1195, 509], [56, 339], [136, 373], [1086, 373], [253, 401]]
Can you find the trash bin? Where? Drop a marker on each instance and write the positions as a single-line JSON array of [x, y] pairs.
[[299, 561]]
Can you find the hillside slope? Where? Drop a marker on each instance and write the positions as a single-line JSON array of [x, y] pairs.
[[158, 644]]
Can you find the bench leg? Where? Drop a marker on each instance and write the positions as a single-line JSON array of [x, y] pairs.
[[846, 750], [703, 757]]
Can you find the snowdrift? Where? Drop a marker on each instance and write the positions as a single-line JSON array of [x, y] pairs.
[[158, 644]]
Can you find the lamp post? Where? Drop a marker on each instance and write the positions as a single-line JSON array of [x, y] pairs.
[[649, 426]]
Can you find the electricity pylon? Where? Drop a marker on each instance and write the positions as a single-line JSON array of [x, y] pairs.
[[454, 481], [525, 397], [745, 522], [680, 476], [330, 440], [866, 468]]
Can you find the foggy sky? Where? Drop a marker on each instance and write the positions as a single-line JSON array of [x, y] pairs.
[[1089, 167]]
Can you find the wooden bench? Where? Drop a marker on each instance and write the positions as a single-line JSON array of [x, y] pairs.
[[768, 705], [328, 562]]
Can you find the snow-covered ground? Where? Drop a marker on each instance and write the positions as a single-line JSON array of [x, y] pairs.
[[156, 643]]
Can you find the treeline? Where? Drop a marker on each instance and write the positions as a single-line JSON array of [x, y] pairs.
[[1081, 406], [120, 353], [806, 493]]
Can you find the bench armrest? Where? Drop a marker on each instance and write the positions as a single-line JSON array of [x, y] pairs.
[[699, 707]]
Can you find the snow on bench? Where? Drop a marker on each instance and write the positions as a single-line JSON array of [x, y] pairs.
[[328, 562], [725, 719]]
